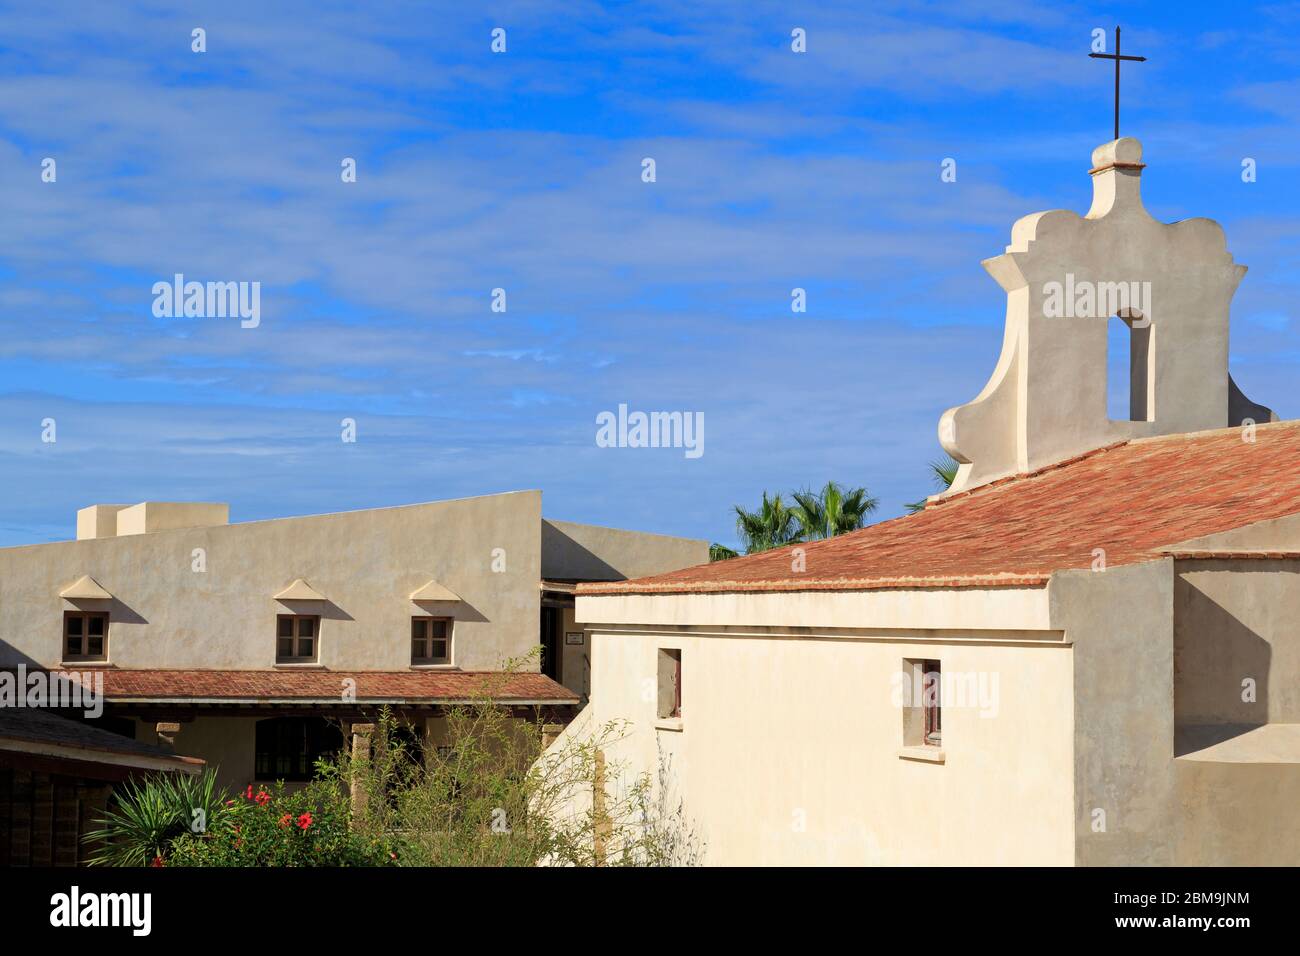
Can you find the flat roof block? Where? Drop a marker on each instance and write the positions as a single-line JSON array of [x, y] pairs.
[[98, 521], [150, 516]]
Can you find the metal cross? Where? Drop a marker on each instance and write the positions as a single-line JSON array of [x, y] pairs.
[[1116, 57]]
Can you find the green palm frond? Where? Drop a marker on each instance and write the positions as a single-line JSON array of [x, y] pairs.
[[772, 526], [944, 472], [832, 511]]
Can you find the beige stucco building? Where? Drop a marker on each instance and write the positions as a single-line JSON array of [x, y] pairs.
[[1084, 653], [251, 645]]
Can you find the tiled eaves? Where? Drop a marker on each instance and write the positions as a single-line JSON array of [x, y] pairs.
[[322, 686], [1126, 503], [839, 584]]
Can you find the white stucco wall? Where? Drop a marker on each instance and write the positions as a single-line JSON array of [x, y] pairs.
[[789, 747]]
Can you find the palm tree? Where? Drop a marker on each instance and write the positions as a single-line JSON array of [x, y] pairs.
[[943, 472], [771, 526], [833, 510], [720, 552]]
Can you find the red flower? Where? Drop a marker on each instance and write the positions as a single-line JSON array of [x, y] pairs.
[[304, 821], [249, 792], [158, 861], [285, 820], [262, 798]]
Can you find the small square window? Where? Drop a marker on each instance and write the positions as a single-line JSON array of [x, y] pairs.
[[430, 640], [670, 683], [295, 641], [85, 635]]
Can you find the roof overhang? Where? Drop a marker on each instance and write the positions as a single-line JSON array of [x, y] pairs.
[[85, 588], [300, 590], [433, 591], [323, 688], [82, 755]]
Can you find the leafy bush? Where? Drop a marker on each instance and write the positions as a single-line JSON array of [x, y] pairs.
[[489, 794], [175, 820], [492, 795], [276, 827]]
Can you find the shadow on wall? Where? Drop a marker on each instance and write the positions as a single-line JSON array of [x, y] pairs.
[[461, 610], [11, 657], [565, 559], [1223, 666], [118, 612]]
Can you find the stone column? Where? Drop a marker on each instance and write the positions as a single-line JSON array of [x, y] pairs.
[[362, 736]]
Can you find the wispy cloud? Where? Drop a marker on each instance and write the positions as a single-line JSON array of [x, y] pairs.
[[523, 172]]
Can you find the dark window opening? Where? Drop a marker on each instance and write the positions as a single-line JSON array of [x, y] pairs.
[[287, 748], [551, 621]]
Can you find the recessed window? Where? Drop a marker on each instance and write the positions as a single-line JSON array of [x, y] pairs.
[[287, 748], [930, 703], [923, 709], [430, 640], [85, 635], [670, 682], [296, 638]]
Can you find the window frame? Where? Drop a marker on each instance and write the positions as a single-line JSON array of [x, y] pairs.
[[428, 639], [932, 704], [668, 705], [296, 639], [85, 656]]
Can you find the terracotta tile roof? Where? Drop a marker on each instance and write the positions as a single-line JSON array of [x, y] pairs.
[[326, 686], [1131, 499], [48, 730]]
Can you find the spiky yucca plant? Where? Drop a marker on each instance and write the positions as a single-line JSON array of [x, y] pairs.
[[152, 811]]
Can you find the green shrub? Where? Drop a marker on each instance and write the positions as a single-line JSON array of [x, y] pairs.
[[283, 828], [491, 794]]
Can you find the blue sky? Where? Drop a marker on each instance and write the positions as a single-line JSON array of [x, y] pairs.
[[522, 171]]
